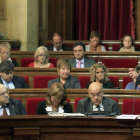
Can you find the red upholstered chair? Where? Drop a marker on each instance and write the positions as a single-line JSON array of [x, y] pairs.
[[26, 78], [26, 61], [128, 104], [53, 60], [41, 81], [14, 59], [84, 80], [32, 103], [95, 59], [76, 103], [120, 63], [115, 47], [126, 80], [114, 80]]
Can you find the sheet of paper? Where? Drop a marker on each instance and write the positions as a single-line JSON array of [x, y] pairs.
[[133, 117]]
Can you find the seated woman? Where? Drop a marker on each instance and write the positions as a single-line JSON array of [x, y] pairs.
[[5, 50], [41, 57], [94, 44], [64, 68], [127, 44], [55, 101], [99, 74]]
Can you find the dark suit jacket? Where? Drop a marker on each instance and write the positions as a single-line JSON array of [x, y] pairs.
[[16, 107], [18, 82], [15, 63], [86, 105], [42, 105], [72, 82], [64, 47], [87, 64], [107, 84]]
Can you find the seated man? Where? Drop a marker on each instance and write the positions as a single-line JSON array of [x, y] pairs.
[[57, 44], [79, 61], [7, 78], [9, 106], [5, 50], [96, 101]]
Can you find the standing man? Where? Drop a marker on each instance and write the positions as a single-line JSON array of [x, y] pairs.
[[79, 60], [96, 101], [57, 44], [7, 78], [9, 106]]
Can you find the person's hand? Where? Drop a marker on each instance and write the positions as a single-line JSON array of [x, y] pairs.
[[133, 73]]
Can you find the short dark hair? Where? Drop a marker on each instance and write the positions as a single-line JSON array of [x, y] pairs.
[[95, 34], [6, 65], [79, 44]]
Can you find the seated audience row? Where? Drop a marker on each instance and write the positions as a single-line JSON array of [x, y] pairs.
[[127, 44]]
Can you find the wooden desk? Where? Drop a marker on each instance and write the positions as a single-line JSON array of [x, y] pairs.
[[43, 127]]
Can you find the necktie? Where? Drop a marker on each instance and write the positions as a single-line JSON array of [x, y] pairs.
[[4, 111], [98, 107], [79, 64], [7, 86]]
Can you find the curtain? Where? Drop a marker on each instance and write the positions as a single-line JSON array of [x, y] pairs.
[[113, 18]]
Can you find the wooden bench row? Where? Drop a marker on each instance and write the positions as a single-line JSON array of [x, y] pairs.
[[120, 94], [68, 54], [30, 72]]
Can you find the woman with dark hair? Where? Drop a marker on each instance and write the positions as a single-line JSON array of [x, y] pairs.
[[99, 73], [94, 44], [127, 44], [55, 101]]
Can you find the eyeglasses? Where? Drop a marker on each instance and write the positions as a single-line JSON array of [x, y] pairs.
[[75, 51], [3, 53], [56, 43], [98, 94], [44, 55], [95, 41], [63, 69], [6, 92]]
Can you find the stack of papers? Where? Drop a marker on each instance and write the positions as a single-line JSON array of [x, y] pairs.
[[133, 117], [67, 114]]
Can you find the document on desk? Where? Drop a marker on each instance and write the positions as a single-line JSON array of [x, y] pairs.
[[67, 114], [133, 117]]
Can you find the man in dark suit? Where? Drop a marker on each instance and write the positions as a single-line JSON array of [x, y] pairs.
[[7, 78], [57, 44], [9, 106], [79, 61], [96, 101]]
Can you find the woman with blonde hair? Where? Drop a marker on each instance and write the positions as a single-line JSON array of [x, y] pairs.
[[99, 73], [55, 101], [41, 57]]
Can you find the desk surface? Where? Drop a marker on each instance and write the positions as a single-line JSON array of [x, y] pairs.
[[40, 127]]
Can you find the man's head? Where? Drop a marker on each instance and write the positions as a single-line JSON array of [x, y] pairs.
[[57, 41], [5, 50], [79, 50], [95, 92], [4, 95], [6, 70]]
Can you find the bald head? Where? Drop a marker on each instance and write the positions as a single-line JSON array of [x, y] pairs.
[[95, 92], [96, 86], [4, 96]]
